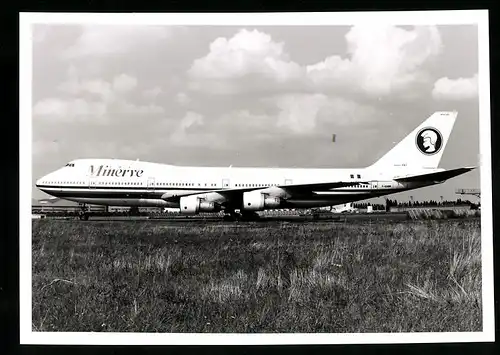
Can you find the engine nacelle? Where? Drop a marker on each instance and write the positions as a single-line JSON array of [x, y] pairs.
[[193, 205], [258, 201]]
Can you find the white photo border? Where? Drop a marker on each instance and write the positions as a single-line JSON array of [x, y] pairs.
[[457, 17]]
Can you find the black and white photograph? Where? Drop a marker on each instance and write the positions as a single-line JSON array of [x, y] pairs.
[[300, 178]]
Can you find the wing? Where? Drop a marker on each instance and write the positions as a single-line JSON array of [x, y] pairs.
[[307, 188], [292, 189]]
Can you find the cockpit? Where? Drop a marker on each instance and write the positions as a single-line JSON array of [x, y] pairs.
[[65, 175]]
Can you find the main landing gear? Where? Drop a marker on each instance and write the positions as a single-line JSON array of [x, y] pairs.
[[83, 214], [232, 216], [133, 211]]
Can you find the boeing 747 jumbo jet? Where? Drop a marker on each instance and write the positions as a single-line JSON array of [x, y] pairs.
[[411, 164]]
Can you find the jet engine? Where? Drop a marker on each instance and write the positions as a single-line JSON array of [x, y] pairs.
[[258, 201], [193, 205]]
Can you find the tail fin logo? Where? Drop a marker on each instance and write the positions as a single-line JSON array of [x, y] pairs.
[[429, 141]]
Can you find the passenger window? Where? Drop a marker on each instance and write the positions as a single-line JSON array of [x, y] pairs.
[[359, 176], [352, 176]]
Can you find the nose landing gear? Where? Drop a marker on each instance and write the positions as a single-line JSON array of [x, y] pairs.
[[232, 216]]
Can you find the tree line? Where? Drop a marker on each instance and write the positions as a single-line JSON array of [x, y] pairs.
[[428, 203]]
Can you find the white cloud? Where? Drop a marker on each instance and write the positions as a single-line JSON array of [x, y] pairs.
[[105, 40], [246, 119], [100, 149], [182, 98], [69, 109], [298, 112], [108, 91], [50, 106], [94, 86], [455, 89], [191, 118], [382, 60], [192, 132], [107, 99], [41, 148], [124, 83], [302, 114], [72, 84], [246, 53], [153, 92], [132, 109], [349, 113], [98, 87]]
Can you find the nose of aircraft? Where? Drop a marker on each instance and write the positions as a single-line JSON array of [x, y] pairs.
[[39, 182]]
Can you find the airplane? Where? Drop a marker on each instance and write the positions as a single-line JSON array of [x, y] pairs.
[[345, 208], [241, 192]]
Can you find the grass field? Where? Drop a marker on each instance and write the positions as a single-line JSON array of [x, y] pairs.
[[125, 276]]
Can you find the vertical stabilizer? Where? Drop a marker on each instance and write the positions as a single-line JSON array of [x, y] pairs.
[[422, 148]]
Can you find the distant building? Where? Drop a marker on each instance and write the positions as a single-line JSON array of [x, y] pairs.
[[61, 205], [473, 192]]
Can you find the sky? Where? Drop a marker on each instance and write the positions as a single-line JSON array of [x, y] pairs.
[[268, 96]]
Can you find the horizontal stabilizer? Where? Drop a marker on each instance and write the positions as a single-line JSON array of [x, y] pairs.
[[435, 176]]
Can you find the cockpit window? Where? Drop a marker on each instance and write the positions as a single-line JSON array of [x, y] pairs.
[[70, 164]]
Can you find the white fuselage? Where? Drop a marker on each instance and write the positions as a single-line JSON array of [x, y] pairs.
[[116, 182]]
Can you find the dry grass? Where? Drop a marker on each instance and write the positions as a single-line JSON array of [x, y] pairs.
[[267, 277]]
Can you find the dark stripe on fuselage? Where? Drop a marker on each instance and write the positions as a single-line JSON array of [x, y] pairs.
[[114, 193], [140, 188]]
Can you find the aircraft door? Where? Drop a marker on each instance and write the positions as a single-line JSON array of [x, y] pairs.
[[151, 184], [92, 180], [226, 184], [288, 181], [385, 185]]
